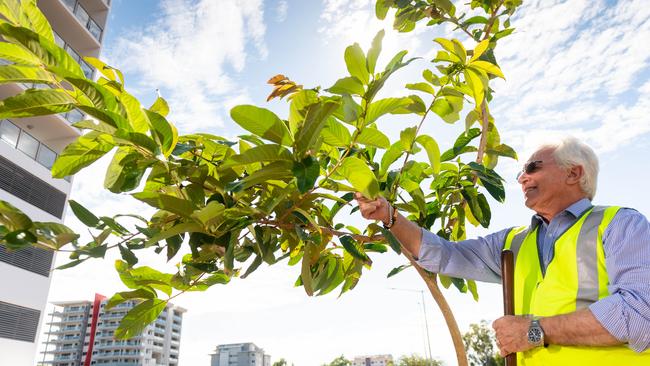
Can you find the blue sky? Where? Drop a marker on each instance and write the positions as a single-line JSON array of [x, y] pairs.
[[572, 67]]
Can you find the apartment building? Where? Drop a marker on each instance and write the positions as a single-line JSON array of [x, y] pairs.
[[374, 360], [28, 148], [239, 354], [81, 334]]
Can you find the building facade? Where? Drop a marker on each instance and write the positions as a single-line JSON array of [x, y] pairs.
[[81, 334], [239, 354], [374, 360], [28, 147]]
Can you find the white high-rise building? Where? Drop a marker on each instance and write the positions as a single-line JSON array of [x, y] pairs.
[[239, 354], [81, 334], [28, 147]]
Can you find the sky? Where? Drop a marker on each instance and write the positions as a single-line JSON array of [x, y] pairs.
[[574, 67]]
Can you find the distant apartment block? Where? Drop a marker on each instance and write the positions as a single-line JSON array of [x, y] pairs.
[[240, 354], [28, 148], [81, 334], [375, 360]]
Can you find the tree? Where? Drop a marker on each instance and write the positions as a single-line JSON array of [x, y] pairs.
[[417, 360], [280, 362], [224, 207], [339, 361], [480, 343]]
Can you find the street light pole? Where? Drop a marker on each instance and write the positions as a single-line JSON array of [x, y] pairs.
[[426, 322]]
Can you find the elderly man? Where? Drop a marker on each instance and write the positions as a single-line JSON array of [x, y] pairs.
[[582, 272]]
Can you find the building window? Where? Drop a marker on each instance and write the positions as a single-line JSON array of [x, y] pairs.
[[9, 133], [28, 144]]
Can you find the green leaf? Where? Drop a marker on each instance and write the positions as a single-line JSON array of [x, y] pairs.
[[306, 173], [390, 156], [481, 47], [478, 205], [503, 150], [423, 87], [185, 227], [18, 54], [461, 142], [407, 138], [120, 297], [81, 153], [454, 47], [166, 132], [139, 317], [374, 51], [432, 149], [373, 137], [277, 170], [336, 134], [39, 23], [166, 202], [488, 67], [257, 154], [128, 255], [19, 239], [392, 240], [355, 249], [123, 173], [397, 270], [316, 118], [263, 123], [381, 9], [347, 85], [138, 121], [36, 102], [109, 72], [475, 83], [355, 61], [49, 53], [160, 106], [24, 74], [83, 214], [360, 176], [383, 106]]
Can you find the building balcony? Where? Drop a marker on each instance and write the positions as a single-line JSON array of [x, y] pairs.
[[85, 17]]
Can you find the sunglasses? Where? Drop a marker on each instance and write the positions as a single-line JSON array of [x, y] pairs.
[[530, 168]]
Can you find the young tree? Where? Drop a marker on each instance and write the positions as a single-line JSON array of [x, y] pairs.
[[271, 195], [480, 343]]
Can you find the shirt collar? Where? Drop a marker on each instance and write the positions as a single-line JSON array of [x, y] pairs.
[[576, 209]]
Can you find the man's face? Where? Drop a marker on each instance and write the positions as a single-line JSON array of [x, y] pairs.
[[544, 188]]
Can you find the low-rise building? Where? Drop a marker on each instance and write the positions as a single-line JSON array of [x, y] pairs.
[[82, 333], [239, 354], [374, 360]]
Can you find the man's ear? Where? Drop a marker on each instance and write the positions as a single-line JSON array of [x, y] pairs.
[[574, 174]]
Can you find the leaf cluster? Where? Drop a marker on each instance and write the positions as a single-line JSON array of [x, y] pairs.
[[223, 207]]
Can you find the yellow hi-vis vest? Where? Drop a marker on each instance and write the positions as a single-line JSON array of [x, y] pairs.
[[575, 278]]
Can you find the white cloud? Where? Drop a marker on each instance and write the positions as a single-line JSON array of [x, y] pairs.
[[191, 52], [576, 67], [281, 11]]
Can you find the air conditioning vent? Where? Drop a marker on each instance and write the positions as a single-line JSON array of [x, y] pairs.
[[18, 322], [26, 186], [32, 259]]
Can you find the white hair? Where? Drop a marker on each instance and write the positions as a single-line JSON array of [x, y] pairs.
[[570, 152]]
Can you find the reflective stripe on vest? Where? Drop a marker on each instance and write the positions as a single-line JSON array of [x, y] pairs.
[[575, 278]]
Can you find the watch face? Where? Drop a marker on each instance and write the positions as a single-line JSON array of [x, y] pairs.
[[534, 335]]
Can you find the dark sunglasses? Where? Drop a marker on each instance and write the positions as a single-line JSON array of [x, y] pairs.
[[530, 168]]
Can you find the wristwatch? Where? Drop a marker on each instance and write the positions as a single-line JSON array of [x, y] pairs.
[[535, 333]]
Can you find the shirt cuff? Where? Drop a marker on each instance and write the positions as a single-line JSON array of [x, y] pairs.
[[614, 315]]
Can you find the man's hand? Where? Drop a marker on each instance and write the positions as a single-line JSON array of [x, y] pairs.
[[512, 334], [376, 209]]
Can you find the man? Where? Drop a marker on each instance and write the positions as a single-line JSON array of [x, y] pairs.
[[582, 273]]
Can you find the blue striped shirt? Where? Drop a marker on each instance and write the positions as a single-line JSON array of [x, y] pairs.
[[626, 241]]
